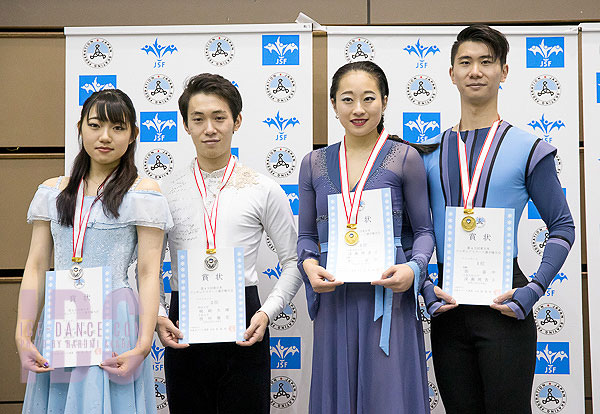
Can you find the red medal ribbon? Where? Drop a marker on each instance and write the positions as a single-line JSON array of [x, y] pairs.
[[354, 202], [210, 220], [80, 220], [470, 188]]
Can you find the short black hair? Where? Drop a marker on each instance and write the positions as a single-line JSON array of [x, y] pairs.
[[210, 84], [483, 33]]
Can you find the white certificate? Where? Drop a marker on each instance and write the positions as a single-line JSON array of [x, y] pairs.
[[212, 296], [374, 252], [77, 318], [478, 264]]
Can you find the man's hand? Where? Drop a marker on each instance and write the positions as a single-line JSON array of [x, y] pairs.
[[256, 330], [168, 333], [504, 309]]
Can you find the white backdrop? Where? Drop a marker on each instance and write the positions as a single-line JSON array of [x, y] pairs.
[[272, 67], [590, 50], [423, 102]]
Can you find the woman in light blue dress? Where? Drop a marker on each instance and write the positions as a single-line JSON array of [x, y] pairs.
[[127, 220]]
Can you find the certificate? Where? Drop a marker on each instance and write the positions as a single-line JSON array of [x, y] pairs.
[[363, 253], [77, 318], [478, 254], [212, 296]]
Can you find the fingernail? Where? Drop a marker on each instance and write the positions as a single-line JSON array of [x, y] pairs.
[[46, 365]]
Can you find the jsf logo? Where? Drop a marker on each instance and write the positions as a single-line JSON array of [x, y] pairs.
[[558, 279], [547, 52], [416, 129], [88, 84], [546, 127], [273, 272], [432, 269], [292, 194], [421, 52], [159, 130], [281, 124], [553, 358], [157, 352], [282, 50], [286, 353], [95, 86], [159, 51]]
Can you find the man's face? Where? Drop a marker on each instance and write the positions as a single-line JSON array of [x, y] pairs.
[[477, 73], [211, 125]]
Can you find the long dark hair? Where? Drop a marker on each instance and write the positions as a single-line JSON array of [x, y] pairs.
[[112, 105], [377, 73]]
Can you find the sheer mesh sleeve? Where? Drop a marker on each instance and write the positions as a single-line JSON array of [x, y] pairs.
[[414, 189], [308, 238]]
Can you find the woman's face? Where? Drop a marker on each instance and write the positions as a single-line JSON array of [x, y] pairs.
[[105, 141], [358, 103]]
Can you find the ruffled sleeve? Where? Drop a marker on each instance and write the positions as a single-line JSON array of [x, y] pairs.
[[139, 208], [43, 205]]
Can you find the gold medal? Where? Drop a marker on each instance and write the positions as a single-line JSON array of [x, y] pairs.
[[468, 223], [351, 237]]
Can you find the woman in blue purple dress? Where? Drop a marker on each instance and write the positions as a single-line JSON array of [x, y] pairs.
[[358, 366]]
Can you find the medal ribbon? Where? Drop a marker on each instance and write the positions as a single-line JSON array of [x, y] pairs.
[[354, 202], [470, 188], [210, 220], [81, 219]]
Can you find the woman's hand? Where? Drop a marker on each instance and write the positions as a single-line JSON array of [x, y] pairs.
[[122, 368], [398, 277], [320, 279], [30, 357]]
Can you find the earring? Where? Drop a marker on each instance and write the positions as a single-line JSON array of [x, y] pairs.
[[337, 116]]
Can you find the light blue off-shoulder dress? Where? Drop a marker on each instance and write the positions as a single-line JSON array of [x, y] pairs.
[[110, 242]]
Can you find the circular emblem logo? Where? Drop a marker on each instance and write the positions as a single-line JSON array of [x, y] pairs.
[[97, 52], [158, 89], [549, 318], [270, 244], [434, 396], [539, 240], [283, 392], [358, 49], [219, 50], [280, 87], [158, 163], [421, 90], [160, 391], [557, 164], [286, 319], [425, 318], [281, 162], [545, 89], [550, 397], [211, 263]]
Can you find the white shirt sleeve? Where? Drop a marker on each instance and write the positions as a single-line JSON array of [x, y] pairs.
[[278, 222]]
